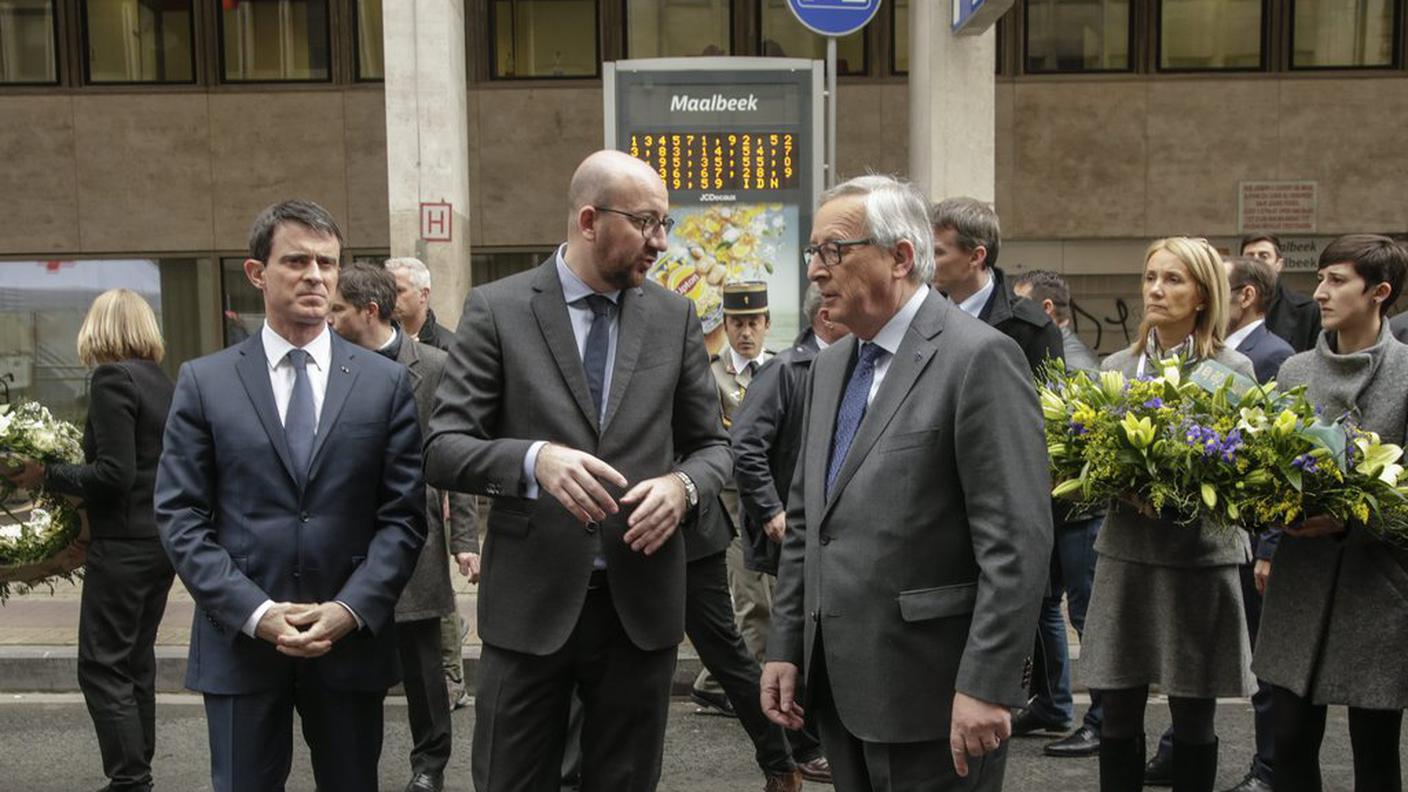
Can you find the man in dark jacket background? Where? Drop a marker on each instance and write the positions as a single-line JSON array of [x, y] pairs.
[[1289, 314], [413, 303], [966, 240]]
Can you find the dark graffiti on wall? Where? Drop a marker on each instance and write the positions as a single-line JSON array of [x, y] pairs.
[[1106, 324]]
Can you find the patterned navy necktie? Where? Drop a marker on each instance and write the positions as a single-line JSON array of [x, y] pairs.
[[853, 404], [598, 349], [301, 418]]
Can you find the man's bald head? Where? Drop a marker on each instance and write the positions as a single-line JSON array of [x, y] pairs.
[[601, 175]]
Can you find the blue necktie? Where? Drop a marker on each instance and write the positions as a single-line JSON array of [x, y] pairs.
[[598, 347], [300, 420], [853, 404]]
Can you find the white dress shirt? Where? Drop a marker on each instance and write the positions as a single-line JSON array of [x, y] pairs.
[[890, 336], [740, 363], [574, 289], [281, 376], [1236, 338], [975, 302]]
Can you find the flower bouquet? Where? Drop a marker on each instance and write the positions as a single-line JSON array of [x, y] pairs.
[[1200, 443], [43, 535]]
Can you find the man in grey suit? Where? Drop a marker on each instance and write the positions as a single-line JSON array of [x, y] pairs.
[[578, 396], [919, 525], [357, 314]]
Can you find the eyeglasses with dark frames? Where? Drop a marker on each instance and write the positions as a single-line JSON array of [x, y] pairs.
[[645, 223], [832, 252]]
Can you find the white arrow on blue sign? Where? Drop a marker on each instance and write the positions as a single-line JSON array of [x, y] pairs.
[[834, 17]]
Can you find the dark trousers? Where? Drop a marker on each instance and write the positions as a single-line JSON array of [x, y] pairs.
[[251, 735], [861, 766], [708, 621], [124, 596], [427, 698], [1300, 727], [523, 704], [1072, 575]]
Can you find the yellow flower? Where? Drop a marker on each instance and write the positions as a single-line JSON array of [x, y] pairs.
[[1112, 383], [1285, 423], [1139, 431], [1052, 408]]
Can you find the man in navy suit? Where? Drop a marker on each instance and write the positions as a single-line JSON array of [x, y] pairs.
[[1253, 283], [290, 498]]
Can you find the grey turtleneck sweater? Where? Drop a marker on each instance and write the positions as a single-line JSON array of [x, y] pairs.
[[1371, 384]]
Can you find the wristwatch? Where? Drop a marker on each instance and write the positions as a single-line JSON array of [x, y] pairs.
[[691, 492]]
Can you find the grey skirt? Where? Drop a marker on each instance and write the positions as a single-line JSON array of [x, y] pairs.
[[1180, 629]]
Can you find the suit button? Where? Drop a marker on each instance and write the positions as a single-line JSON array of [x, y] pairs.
[[826, 539], [591, 527], [816, 616], [295, 574], [303, 517]]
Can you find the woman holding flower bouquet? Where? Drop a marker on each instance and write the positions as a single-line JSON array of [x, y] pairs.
[[1334, 623], [127, 572], [1166, 592]]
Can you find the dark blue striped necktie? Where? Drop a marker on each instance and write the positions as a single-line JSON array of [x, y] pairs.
[[594, 359], [853, 404], [301, 418]]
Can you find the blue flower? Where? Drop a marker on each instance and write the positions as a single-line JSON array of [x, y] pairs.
[[1078, 428], [1306, 463], [1154, 403]]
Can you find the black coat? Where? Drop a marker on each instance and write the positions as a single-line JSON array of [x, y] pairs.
[[1022, 321], [434, 333], [1294, 317], [127, 407], [766, 436]]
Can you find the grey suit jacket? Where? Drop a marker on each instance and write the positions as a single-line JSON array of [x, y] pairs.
[[925, 567], [429, 594], [515, 376]]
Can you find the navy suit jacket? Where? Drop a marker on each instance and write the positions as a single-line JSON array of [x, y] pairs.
[[1267, 352], [240, 529]]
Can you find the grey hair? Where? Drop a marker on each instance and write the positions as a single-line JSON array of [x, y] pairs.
[[974, 222], [894, 210], [416, 271], [811, 303]]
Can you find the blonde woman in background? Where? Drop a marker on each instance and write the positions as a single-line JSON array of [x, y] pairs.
[[1164, 594], [127, 573]]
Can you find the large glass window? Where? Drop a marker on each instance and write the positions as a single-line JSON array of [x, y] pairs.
[[1342, 33], [1077, 36], [132, 41], [677, 28], [785, 37], [486, 267], [274, 40], [1201, 35], [370, 62], [27, 42], [43, 303], [544, 38]]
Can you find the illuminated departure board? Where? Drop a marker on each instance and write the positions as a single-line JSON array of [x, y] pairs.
[[720, 160]]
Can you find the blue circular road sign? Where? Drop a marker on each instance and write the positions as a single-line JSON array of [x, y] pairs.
[[834, 17]]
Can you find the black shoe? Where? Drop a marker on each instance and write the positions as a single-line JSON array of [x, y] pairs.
[[426, 782], [712, 703], [1084, 741], [1121, 763], [1026, 722], [1159, 771], [1251, 784]]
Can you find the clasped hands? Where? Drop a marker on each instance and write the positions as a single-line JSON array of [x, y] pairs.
[[976, 728], [575, 479], [305, 629]]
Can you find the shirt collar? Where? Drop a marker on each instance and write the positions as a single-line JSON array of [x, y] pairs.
[[892, 333], [740, 362], [821, 344], [975, 302], [573, 287], [276, 347], [395, 334], [1236, 338]]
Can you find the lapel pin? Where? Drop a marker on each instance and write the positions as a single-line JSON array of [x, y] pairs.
[[345, 370]]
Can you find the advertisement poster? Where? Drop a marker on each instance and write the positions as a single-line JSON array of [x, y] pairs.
[[713, 245]]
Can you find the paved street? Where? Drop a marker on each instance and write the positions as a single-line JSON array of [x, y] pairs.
[[48, 747]]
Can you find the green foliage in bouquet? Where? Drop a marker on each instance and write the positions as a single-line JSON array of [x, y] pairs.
[[48, 523], [1202, 443]]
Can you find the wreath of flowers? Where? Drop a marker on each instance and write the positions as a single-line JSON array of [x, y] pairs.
[[41, 533]]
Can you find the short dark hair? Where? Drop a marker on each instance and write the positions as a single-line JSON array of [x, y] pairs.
[[305, 213], [1260, 236], [1047, 285], [974, 222], [1375, 258], [1251, 271], [362, 284]]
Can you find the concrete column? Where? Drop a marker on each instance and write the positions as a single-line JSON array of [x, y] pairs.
[[427, 140], [952, 105]]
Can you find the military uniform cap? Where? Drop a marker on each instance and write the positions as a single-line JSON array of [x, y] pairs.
[[748, 297]]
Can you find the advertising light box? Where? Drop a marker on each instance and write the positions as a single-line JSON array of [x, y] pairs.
[[738, 143]]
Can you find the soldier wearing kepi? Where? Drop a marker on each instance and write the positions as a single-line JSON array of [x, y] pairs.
[[746, 323]]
